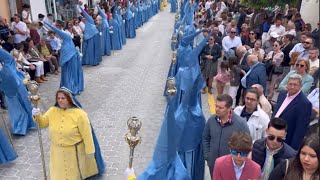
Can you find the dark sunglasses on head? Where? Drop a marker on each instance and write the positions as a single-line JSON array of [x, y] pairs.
[[272, 138], [235, 152], [300, 65]]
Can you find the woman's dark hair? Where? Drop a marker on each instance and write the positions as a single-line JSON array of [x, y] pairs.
[[233, 60], [289, 36], [224, 65], [240, 141], [295, 169]]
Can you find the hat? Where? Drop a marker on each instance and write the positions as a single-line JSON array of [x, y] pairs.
[[274, 35]]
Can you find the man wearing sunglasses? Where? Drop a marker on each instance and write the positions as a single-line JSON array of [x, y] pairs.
[[301, 49], [237, 165], [269, 151]]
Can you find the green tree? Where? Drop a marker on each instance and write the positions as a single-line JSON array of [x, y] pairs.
[[257, 4]]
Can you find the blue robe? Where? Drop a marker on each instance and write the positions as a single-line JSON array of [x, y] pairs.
[[19, 105], [130, 29], [134, 11], [92, 45], [116, 42], [105, 37], [173, 7], [70, 62], [139, 14], [166, 164], [122, 28], [190, 112], [7, 152], [145, 11]]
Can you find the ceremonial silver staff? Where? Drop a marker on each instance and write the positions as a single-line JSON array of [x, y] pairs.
[[111, 34], [81, 42], [34, 96], [132, 137]]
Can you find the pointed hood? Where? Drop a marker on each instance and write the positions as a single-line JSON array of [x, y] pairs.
[[129, 14], [186, 40], [68, 48], [104, 17], [189, 14], [90, 28]]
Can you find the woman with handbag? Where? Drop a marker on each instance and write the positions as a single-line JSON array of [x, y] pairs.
[[305, 166], [276, 58]]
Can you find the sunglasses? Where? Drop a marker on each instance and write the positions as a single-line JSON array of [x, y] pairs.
[[300, 65], [232, 32], [211, 39], [235, 152], [306, 42], [272, 138], [251, 33]]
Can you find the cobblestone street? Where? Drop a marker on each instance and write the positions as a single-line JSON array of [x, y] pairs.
[[130, 82]]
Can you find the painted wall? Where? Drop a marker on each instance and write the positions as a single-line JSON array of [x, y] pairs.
[[5, 10], [37, 7], [310, 12]]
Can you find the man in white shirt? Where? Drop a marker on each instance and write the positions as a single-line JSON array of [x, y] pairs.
[[278, 28], [208, 3], [300, 47], [220, 26], [20, 29], [313, 59], [231, 41]]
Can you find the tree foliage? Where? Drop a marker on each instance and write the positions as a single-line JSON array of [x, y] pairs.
[[257, 4]]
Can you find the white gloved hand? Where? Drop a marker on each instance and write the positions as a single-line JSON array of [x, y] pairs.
[[129, 174], [35, 111]]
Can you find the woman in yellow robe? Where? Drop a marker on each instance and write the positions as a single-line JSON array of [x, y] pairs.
[[71, 143]]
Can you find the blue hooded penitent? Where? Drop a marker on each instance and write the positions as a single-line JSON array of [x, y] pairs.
[[166, 163], [116, 41], [130, 22], [173, 7], [139, 14], [105, 30], [190, 112], [92, 45], [19, 105], [71, 68], [122, 26]]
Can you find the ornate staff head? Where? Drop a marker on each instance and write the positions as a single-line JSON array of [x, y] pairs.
[[174, 57], [34, 96], [171, 90], [132, 137]]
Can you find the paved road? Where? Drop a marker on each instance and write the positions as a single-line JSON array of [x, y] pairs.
[[128, 83]]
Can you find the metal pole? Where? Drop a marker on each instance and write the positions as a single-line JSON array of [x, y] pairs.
[[55, 9], [35, 98]]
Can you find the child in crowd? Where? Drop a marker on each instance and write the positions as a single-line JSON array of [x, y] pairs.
[[235, 75], [222, 77]]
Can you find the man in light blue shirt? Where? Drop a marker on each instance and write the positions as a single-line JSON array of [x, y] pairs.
[[302, 47]]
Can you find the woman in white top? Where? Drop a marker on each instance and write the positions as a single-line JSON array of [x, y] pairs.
[[256, 50], [277, 57]]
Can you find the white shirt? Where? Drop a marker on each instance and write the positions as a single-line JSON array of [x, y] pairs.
[[25, 14], [22, 27], [238, 170], [313, 97], [228, 43], [292, 32], [221, 28], [257, 123], [279, 30], [82, 25], [207, 5]]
